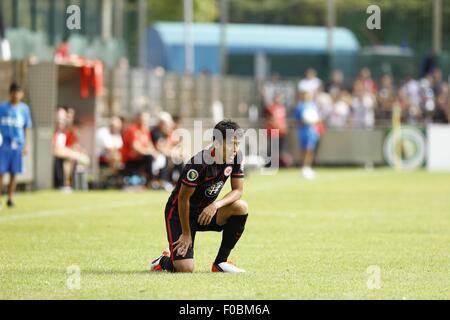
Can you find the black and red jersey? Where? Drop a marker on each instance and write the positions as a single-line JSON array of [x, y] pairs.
[[208, 179]]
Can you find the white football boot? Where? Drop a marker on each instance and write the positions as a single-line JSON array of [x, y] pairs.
[[226, 267]]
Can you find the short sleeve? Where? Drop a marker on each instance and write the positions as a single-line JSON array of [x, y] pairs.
[[28, 122], [238, 171], [192, 174]]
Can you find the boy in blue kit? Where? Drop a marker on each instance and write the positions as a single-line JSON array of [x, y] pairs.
[[307, 115], [15, 126]]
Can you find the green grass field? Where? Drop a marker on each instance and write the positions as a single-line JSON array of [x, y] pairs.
[[304, 240]]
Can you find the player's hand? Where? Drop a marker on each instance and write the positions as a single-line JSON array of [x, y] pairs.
[[182, 245], [207, 214], [25, 150]]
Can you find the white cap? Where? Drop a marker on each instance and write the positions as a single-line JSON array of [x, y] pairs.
[[166, 118]]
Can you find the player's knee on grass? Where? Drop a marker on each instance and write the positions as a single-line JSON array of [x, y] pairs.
[[184, 266]]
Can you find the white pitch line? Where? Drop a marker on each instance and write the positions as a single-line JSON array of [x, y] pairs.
[[67, 211], [113, 205]]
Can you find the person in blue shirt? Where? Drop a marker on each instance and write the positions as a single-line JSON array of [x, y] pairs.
[[307, 115], [15, 126]]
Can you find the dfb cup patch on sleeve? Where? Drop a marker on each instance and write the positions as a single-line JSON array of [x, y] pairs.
[[192, 175], [228, 171]]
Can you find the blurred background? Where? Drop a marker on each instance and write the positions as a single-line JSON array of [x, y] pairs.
[[382, 94]]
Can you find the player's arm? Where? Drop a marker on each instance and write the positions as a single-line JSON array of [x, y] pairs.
[[27, 131], [237, 189], [185, 240], [26, 147]]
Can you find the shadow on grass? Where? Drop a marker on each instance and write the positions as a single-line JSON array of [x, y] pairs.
[[139, 272], [100, 272], [117, 272]]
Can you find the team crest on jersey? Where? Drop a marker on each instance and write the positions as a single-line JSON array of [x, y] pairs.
[[192, 175], [228, 171], [214, 190]]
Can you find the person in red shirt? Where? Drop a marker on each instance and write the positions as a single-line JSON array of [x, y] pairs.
[[66, 157], [71, 129], [276, 124], [62, 51], [138, 149], [365, 77]]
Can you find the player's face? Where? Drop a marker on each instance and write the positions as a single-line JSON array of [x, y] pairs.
[[230, 149], [16, 96]]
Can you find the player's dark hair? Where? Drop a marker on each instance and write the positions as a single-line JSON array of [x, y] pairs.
[[225, 127], [176, 118], [14, 87]]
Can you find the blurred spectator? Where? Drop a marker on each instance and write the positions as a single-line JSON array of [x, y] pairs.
[[324, 102], [109, 145], [307, 115], [276, 125], [67, 156], [336, 84], [71, 130], [437, 81], [410, 91], [365, 78], [311, 83], [5, 47], [177, 158], [363, 107], [174, 137], [442, 112], [386, 97], [428, 103], [138, 152], [160, 136], [62, 51], [339, 115]]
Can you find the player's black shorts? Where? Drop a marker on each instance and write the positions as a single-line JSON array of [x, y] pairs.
[[174, 231]]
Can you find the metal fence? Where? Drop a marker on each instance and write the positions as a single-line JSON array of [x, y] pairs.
[[135, 90]]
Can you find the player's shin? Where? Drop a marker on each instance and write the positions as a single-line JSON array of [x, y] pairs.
[[232, 232]]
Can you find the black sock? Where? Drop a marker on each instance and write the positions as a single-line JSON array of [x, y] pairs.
[[167, 264], [230, 236]]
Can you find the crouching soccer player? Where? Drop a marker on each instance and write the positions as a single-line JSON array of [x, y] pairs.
[[193, 207]]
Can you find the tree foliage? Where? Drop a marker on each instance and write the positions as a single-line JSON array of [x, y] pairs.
[[172, 10], [403, 21]]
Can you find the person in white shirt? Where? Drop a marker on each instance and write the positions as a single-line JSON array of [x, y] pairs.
[[363, 106], [5, 47], [338, 117], [411, 91], [109, 144], [310, 84]]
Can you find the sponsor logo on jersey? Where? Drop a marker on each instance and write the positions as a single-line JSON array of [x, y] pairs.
[[17, 122], [214, 190]]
